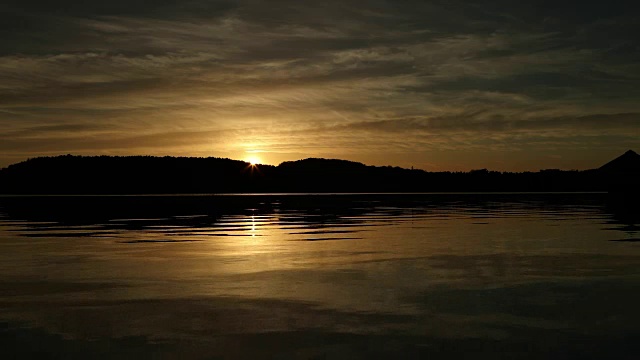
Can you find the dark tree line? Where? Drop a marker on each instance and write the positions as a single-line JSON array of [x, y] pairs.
[[162, 175]]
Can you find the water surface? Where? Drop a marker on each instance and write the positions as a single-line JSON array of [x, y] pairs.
[[320, 276]]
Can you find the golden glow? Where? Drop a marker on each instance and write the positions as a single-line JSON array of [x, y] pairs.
[[253, 160]]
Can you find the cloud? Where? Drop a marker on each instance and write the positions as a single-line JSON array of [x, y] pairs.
[[480, 122], [324, 78]]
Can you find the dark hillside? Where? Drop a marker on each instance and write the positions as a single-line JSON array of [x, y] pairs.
[[629, 162], [622, 174], [130, 175], [164, 175]]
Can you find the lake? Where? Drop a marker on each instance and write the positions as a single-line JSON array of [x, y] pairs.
[[514, 276]]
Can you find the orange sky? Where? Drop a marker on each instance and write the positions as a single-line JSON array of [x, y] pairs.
[[434, 85]]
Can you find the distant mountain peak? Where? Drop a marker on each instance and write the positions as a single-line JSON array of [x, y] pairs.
[[627, 162]]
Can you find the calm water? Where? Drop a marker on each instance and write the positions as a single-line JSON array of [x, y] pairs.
[[320, 277]]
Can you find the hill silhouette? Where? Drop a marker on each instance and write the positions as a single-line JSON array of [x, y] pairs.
[[629, 162], [129, 175], [622, 174], [70, 174]]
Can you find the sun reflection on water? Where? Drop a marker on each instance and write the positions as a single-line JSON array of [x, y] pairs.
[[253, 226]]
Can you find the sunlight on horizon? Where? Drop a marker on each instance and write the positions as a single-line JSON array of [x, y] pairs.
[[253, 160]]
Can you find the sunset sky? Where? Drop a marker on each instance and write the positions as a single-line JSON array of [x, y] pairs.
[[438, 85]]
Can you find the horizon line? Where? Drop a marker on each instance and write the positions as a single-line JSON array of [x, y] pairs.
[[308, 158]]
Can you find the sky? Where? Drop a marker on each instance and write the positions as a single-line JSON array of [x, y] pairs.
[[437, 85]]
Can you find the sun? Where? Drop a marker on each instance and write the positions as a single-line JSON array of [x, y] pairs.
[[254, 160]]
